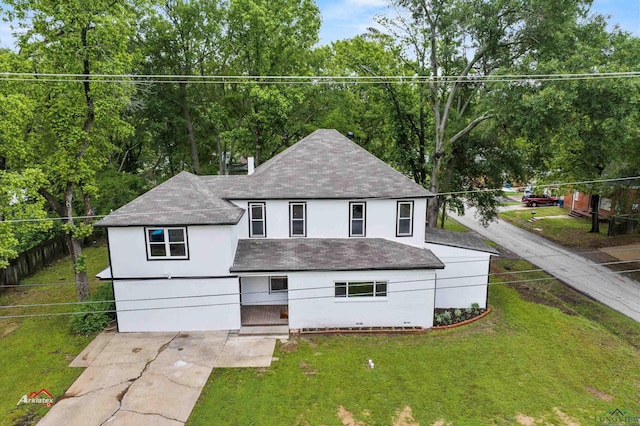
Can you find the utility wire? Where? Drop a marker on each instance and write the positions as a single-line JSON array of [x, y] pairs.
[[291, 299], [470, 191], [308, 79], [466, 260], [326, 287]]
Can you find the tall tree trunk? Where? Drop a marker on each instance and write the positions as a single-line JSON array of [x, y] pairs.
[[184, 105], [444, 213], [74, 244], [595, 220]]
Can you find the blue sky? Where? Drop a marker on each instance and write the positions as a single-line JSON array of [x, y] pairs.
[[347, 18]]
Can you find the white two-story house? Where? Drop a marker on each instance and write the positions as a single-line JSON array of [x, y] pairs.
[[322, 235]]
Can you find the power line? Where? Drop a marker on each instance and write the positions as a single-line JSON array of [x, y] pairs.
[[291, 299], [326, 287], [467, 260], [469, 191], [308, 79]]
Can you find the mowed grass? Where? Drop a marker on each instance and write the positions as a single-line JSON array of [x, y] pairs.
[[568, 231], [452, 225], [36, 352], [525, 358]]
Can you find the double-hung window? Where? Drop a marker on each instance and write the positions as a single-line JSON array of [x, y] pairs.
[[297, 219], [357, 219], [167, 243], [361, 289], [404, 219], [257, 220]]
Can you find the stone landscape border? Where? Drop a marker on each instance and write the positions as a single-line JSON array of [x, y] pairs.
[[465, 322]]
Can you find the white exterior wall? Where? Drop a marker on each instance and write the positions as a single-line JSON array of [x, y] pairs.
[[211, 252], [330, 219], [223, 315], [464, 279], [255, 291], [312, 301]]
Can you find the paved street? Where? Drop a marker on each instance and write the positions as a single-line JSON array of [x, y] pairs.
[[617, 291]]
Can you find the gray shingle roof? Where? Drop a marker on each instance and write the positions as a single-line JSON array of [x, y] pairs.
[[466, 240], [182, 200], [329, 254], [325, 164]]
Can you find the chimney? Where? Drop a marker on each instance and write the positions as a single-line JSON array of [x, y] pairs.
[[250, 166]]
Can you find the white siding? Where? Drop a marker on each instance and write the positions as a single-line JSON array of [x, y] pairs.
[[211, 251], [223, 314], [330, 219], [255, 291], [409, 301], [464, 279]]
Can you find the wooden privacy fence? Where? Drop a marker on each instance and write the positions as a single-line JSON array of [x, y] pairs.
[[32, 260]]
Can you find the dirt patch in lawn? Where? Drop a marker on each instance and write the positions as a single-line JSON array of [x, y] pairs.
[[405, 418], [533, 293], [307, 369], [289, 346], [568, 421], [9, 328], [347, 418], [599, 394], [525, 420]]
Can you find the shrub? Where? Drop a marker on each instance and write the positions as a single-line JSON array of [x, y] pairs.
[[93, 319]]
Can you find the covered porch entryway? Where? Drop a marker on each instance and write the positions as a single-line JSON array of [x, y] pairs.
[[255, 315], [264, 300]]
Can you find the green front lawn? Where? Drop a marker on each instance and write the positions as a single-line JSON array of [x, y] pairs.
[[524, 359], [36, 352], [567, 231]]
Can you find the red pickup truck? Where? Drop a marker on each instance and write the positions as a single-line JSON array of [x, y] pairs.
[[540, 200]]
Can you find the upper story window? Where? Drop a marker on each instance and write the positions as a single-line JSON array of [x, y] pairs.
[[257, 220], [357, 219], [404, 219], [167, 243], [297, 219]]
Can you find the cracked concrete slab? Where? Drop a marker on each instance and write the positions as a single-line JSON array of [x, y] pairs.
[[156, 394], [90, 409], [123, 417], [152, 378], [101, 377], [93, 349], [126, 348]]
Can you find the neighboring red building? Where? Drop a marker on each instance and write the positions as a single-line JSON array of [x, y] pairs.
[[580, 203]]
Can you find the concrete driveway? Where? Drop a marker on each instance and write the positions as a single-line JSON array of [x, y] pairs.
[[615, 290], [150, 378]]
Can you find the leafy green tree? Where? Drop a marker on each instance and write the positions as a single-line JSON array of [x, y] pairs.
[[469, 40], [77, 118]]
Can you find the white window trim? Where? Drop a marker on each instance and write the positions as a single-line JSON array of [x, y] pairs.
[[263, 220], [167, 243], [364, 218], [303, 220], [398, 233], [271, 291], [354, 298]]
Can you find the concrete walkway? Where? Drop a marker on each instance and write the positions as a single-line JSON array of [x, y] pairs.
[[150, 378], [615, 290]]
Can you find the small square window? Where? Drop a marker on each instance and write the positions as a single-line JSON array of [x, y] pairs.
[[278, 284], [166, 243]]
